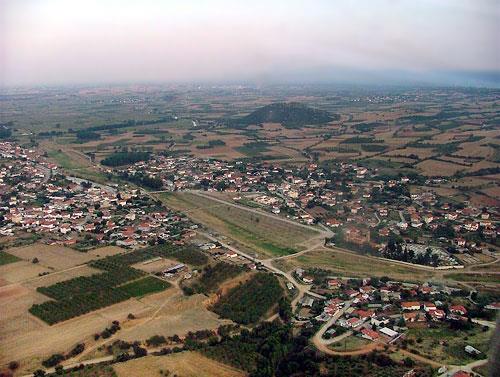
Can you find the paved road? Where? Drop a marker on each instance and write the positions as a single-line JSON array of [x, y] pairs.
[[318, 339]]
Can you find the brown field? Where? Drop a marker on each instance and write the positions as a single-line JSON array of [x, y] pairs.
[[351, 264], [52, 256], [29, 340], [185, 364], [420, 152], [154, 266], [105, 251], [431, 167], [178, 315]]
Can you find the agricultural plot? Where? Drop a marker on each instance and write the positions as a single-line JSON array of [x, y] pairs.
[[186, 364], [178, 314], [88, 293], [263, 234], [144, 286], [249, 302], [213, 276], [52, 257], [6, 258], [350, 264]]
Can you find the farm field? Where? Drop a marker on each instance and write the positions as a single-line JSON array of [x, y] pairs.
[[52, 257], [6, 258], [87, 293], [351, 264], [175, 314], [145, 286], [185, 364], [248, 302], [260, 233]]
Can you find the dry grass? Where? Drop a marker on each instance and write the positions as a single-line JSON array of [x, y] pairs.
[[257, 232], [52, 257], [351, 264], [185, 364], [179, 315]]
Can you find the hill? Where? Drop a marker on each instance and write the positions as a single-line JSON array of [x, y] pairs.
[[290, 115]]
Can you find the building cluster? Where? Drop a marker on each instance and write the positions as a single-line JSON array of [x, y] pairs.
[[35, 199], [363, 207], [382, 310]]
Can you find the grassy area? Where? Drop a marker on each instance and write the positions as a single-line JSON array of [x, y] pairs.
[[271, 237], [145, 286], [351, 264], [482, 278], [63, 160], [351, 343], [6, 258], [446, 345]]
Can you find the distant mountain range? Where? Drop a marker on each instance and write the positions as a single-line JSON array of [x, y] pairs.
[[290, 115]]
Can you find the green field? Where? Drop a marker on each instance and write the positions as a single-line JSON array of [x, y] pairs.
[[269, 236], [6, 258], [145, 286], [446, 345]]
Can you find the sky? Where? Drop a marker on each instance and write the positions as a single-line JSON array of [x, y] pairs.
[[55, 42]]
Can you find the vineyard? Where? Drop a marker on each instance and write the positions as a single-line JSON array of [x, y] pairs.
[[118, 282]]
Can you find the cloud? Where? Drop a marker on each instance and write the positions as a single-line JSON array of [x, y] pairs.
[[56, 41]]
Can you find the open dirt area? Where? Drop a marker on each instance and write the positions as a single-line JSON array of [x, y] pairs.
[[20, 271], [178, 315], [52, 257], [155, 266], [185, 364], [28, 340], [56, 277], [351, 264]]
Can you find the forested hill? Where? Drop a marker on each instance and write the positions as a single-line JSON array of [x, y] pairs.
[[290, 115]]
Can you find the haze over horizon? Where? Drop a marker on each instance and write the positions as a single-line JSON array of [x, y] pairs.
[[383, 41]]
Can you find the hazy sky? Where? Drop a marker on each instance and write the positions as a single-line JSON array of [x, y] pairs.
[[87, 41]]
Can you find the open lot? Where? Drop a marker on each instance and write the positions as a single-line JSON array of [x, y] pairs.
[[52, 257], [178, 314], [185, 364], [351, 264], [260, 233], [445, 345]]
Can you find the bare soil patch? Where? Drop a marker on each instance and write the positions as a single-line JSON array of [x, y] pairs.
[[185, 364]]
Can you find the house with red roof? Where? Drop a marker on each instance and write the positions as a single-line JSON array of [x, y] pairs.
[[369, 334]]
